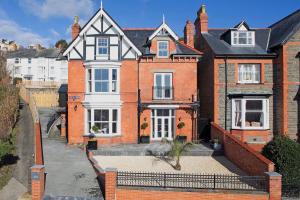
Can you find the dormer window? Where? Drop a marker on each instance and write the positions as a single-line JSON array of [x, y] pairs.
[[163, 49], [242, 38]]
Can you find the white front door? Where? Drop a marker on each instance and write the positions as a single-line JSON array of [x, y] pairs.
[[163, 121]]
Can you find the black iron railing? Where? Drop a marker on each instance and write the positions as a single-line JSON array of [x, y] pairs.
[[163, 92], [192, 181], [291, 190]]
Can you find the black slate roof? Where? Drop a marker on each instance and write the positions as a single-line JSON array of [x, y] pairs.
[[139, 38], [222, 48], [33, 53], [284, 29]]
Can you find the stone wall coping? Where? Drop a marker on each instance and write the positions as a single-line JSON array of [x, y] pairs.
[[111, 169], [273, 174], [37, 167]]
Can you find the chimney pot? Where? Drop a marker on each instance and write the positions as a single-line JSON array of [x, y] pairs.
[[75, 27]]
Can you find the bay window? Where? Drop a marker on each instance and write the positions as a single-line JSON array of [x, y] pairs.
[[102, 80], [250, 113], [106, 119], [249, 73]]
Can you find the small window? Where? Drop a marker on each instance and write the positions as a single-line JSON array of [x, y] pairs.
[[242, 38], [103, 46], [250, 113], [17, 70], [29, 60], [163, 49], [249, 73], [17, 60]]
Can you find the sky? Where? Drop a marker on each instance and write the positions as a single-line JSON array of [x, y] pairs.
[[46, 21]]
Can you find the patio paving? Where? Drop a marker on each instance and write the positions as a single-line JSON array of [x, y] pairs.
[[189, 164]]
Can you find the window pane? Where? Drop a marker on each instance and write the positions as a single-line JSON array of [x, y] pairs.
[[167, 80], [89, 74], [104, 87], [104, 115], [254, 105], [114, 127], [238, 113], [254, 119], [114, 74], [89, 115], [158, 80], [97, 115], [159, 124], [115, 115]]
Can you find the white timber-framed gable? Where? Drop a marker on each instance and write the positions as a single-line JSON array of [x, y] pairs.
[[164, 29], [89, 46]]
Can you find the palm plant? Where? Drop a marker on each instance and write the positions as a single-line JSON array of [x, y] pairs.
[[176, 151]]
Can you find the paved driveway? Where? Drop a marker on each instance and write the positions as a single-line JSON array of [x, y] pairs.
[[69, 173]]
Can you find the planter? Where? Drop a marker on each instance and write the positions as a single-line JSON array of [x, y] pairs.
[[217, 146], [92, 145], [181, 138], [145, 139]]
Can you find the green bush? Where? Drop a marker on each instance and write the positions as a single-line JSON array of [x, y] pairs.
[[285, 153]]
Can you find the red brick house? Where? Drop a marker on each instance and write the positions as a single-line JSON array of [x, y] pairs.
[[243, 78], [121, 79]]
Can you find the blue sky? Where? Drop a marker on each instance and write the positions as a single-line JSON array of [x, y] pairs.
[[46, 21]]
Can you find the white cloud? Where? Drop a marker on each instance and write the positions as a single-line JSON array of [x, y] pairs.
[[58, 8], [54, 33], [12, 31]]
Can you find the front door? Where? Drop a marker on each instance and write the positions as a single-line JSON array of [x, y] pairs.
[[163, 121]]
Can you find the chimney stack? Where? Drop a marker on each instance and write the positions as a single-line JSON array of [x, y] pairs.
[[75, 28], [202, 20], [189, 34]]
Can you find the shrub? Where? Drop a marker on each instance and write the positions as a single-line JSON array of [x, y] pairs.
[[285, 153]]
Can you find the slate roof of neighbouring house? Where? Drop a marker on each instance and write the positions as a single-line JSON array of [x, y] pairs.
[[284, 29], [33, 53], [139, 37], [221, 47]]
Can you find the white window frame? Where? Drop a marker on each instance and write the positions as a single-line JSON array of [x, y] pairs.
[[159, 50], [111, 85], [29, 72], [110, 109], [265, 110], [250, 35], [154, 121], [241, 71], [163, 74], [98, 46]]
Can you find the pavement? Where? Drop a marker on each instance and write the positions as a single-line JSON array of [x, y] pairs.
[[69, 173], [20, 182]]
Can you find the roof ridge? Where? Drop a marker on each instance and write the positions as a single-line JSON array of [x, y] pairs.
[[286, 17], [142, 29]]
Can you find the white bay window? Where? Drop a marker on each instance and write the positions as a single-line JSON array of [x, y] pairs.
[[249, 73], [106, 119], [250, 113], [102, 80]]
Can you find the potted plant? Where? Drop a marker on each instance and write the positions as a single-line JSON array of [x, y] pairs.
[[144, 138], [216, 144], [181, 137]]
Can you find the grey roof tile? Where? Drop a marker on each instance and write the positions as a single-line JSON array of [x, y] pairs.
[[33, 53], [221, 47], [284, 29]]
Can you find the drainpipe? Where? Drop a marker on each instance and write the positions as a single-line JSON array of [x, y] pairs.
[[139, 106], [226, 91]]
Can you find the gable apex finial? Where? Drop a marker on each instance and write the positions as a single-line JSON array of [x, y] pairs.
[[101, 5], [164, 20]]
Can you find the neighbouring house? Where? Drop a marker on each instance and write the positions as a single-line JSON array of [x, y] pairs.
[[38, 65], [6, 45], [249, 78], [123, 78]]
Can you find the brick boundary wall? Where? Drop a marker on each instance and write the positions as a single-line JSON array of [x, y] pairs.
[[108, 181], [241, 154], [37, 182]]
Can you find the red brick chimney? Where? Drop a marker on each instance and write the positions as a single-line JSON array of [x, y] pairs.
[[202, 20], [75, 28], [189, 33]]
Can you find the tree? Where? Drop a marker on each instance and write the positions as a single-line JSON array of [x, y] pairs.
[[61, 44], [176, 151], [285, 154]]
